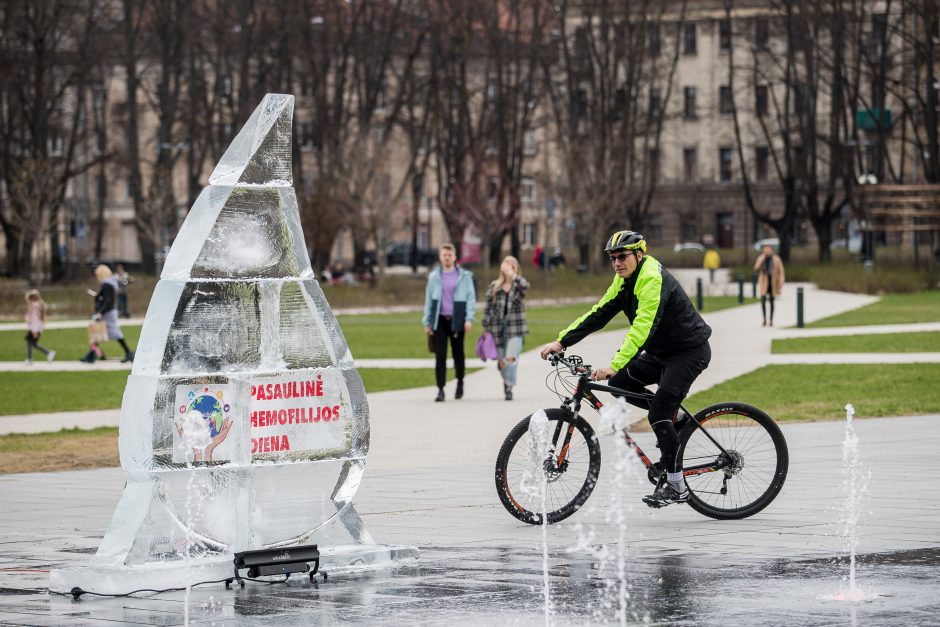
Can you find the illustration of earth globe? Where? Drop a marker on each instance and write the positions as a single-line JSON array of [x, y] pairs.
[[211, 410]]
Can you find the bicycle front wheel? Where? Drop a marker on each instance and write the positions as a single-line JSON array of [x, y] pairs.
[[743, 475], [552, 478]]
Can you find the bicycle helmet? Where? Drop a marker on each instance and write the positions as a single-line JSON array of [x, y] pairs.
[[625, 240]]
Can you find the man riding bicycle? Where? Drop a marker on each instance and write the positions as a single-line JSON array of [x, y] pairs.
[[667, 344]]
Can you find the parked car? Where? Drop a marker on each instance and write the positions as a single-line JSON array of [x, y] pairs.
[[688, 246], [767, 241], [399, 254]]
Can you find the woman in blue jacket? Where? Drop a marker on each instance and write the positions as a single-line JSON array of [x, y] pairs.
[[449, 305]]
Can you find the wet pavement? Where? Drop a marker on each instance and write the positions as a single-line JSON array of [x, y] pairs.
[[429, 483], [478, 586]]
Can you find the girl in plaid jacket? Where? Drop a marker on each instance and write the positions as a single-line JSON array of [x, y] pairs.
[[504, 317]]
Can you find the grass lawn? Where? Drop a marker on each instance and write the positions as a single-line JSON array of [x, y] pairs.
[[47, 392], [891, 309], [820, 391], [69, 449], [370, 336], [69, 344], [919, 342]]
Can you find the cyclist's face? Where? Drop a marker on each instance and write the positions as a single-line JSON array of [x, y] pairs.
[[625, 262]]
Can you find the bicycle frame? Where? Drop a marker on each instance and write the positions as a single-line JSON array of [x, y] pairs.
[[585, 389]]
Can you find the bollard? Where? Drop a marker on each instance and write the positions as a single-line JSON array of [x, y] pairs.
[[740, 288], [753, 285], [799, 307], [699, 303]]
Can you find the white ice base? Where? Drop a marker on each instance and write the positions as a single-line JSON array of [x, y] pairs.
[[111, 579]]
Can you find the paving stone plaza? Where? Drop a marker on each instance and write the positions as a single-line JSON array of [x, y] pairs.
[[429, 484]]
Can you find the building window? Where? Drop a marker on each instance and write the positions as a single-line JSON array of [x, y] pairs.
[[527, 190], [760, 100], [724, 35], [654, 227], [724, 99], [656, 101], [689, 45], [653, 164], [689, 102], [654, 43], [308, 137], [690, 164], [761, 157], [54, 144], [529, 147], [580, 103], [225, 86], [800, 95], [761, 33], [530, 234], [724, 164], [688, 228], [492, 188]]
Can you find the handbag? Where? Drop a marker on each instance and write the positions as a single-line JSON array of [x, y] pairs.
[[97, 332], [486, 347]]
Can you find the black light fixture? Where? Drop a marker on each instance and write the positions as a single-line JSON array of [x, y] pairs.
[[283, 561]]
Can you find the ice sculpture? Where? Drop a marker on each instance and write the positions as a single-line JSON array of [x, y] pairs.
[[238, 335]]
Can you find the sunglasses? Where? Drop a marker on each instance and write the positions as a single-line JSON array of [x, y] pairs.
[[622, 257]]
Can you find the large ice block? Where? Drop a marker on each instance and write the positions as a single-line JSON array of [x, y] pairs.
[[240, 334]]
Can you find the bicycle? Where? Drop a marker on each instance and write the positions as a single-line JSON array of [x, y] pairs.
[[734, 455]]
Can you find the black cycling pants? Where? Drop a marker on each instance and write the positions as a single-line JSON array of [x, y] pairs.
[[441, 335], [675, 375]]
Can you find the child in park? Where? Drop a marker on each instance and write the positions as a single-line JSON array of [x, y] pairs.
[[35, 324]]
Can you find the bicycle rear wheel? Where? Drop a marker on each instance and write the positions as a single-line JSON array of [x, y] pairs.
[[748, 475], [553, 482]]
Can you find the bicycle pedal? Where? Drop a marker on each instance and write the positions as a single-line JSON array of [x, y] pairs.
[[653, 504]]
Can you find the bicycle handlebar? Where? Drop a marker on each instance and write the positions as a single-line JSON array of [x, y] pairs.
[[574, 363]]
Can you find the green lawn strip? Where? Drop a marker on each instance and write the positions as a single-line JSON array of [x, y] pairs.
[[69, 344], [821, 391], [891, 309], [42, 442], [400, 335], [916, 342], [48, 392], [370, 336]]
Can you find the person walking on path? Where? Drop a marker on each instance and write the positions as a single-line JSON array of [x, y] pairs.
[[106, 310], [449, 305], [504, 317], [35, 324], [711, 262], [770, 278], [123, 280]]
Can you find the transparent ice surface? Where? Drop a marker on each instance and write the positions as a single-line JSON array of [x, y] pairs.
[[261, 153], [239, 333]]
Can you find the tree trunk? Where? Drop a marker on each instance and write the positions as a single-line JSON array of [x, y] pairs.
[[24, 266]]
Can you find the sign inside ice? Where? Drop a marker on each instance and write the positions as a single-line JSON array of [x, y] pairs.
[[291, 413]]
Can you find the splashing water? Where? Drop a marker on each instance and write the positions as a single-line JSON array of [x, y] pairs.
[[616, 416], [535, 482], [854, 482], [194, 439]]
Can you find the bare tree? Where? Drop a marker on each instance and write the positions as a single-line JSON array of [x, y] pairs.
[[609, 101], [47, 55]]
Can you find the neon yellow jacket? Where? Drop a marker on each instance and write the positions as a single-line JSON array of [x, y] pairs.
[[662, 319]]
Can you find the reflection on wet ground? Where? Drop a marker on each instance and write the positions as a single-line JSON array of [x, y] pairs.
[[485, 586]]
